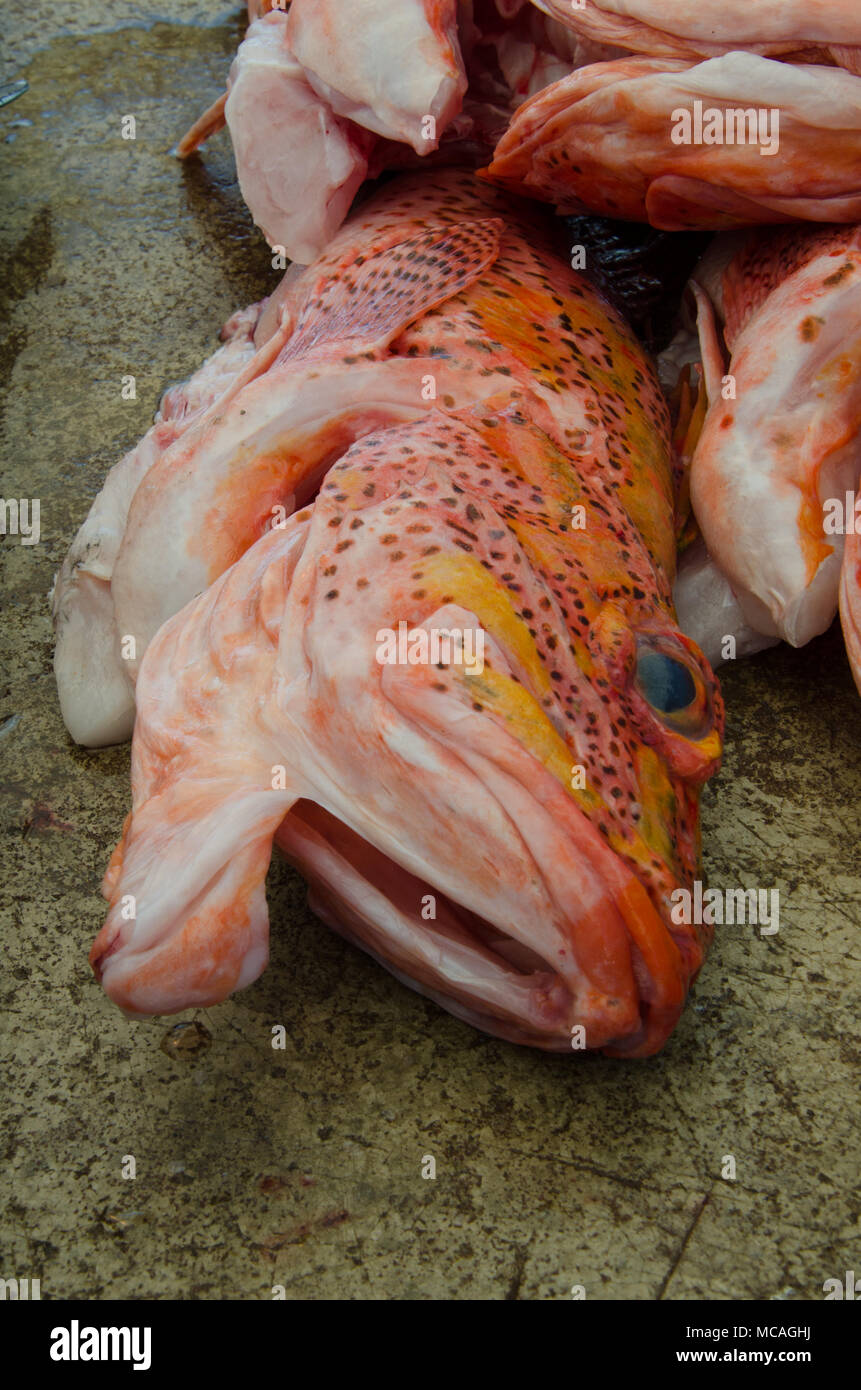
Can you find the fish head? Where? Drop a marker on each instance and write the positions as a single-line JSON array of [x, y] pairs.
[[453, 691], [509, 732], [775, 468]]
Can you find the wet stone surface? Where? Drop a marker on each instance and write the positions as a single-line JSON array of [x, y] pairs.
[[302, 1165]]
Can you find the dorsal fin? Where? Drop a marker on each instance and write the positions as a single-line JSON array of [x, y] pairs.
[[369, 301]]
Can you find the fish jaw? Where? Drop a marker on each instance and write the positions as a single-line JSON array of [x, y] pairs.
[[484, 955], [181, 955], [600, 919], [768, 459], [187, 921]]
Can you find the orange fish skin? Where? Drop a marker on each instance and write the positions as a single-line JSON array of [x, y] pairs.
[[607, 137], [676, 28], [548, 802], [316, 383], [773, 457]]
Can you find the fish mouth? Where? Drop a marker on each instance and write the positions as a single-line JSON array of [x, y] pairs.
[[469, 964]]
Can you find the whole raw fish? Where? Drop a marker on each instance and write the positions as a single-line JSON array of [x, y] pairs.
[[775, 472], [504, 835], [828, 29], [731, 141]]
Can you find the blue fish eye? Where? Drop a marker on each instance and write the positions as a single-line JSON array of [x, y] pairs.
[[666, 683]]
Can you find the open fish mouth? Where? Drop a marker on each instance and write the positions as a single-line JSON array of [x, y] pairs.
[[453, 954], [602, 972], [482, 973]]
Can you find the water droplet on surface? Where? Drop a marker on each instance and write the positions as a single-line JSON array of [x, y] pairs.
[[185, 1040], [121, 1220]]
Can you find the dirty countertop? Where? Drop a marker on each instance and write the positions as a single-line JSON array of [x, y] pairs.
[[302, 1166]]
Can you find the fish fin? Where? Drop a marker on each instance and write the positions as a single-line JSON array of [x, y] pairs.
[[714, 364], [96, 695], [208, 124], [365, 304], [257, 366]]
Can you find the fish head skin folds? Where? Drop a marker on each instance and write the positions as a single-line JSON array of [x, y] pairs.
[[502, 821]]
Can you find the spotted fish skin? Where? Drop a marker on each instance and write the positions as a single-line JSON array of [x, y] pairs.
[[475, 320], [546, 805], [603, 138], [772, 457]]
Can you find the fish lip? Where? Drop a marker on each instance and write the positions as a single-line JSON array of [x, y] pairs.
[[539, 1009], [320, 845]]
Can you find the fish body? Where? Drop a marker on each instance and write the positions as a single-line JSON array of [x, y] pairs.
[[323, 376], [828, 30], [731, 141], [779, 453], [505, 836]]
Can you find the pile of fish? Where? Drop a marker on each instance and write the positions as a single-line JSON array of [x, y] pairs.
[[392, 580]]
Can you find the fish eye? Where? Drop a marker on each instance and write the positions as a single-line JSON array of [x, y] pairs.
[[666, 683], [674, 688]]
